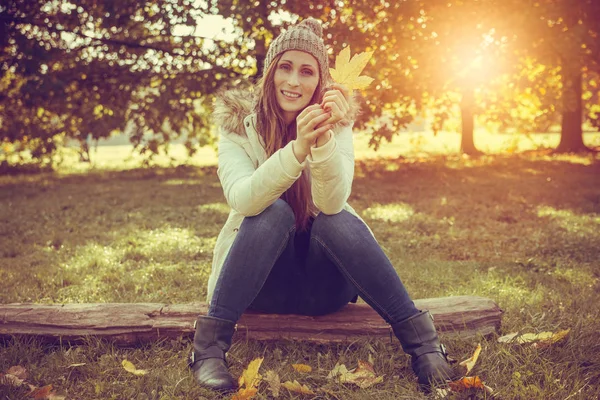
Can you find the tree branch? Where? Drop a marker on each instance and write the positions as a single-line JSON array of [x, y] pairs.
[[110, 41]]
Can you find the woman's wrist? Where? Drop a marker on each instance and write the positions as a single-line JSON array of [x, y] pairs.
[[299, 151], [323, 139]]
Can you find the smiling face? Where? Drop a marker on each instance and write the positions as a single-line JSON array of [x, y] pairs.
[[296, 78]]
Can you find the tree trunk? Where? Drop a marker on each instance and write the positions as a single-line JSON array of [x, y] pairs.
[[130, 324], [260, 47], [467, 104], [571, 135], [261, 53]]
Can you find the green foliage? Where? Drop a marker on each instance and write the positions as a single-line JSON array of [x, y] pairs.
[[85, 71], [73, 71]]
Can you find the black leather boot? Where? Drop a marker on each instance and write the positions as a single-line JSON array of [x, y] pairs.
[[419, 339], [207, 361]]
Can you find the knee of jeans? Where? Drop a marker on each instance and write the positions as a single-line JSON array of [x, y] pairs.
[[279, 212], [329, 223]]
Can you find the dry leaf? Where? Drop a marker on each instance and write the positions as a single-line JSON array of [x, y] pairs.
[[10, 380], [18, 371], [302, 367], [297, 387], [76, 365], [129, 367], [363, 376], [245, 394], [555, 338], [339, 371], [469, 382], [41, 393], [250, 377], [508, 338], [272, 378], [469, 363], [347, 72], [542, 339]]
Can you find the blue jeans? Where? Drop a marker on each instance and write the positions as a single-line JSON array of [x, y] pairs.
[[265, 271]]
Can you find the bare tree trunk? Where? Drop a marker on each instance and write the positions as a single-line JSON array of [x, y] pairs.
[[467, 105], [571, 135], [260, 45]]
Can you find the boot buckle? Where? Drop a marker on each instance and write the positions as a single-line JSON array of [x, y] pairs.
[[443, 349], [192, 359]]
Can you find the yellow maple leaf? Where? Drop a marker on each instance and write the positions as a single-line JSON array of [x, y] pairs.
[[469, 363], [347, 71], [297, 387], [129, 367], [250, 377], [302, 367]]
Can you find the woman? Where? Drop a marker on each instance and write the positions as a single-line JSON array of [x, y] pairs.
[[292, 244]]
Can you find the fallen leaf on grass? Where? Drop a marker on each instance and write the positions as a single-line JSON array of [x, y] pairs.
[[469, 363], [249, 381], [250, 377], [542, 339], [245, 394], [129, 367], [339, 371], [557, 337], [45, 393], [469, 382], [272, 378], [16, 376], [302, 367], [18, 371], [297, 387], [10, 380], [362, 376]]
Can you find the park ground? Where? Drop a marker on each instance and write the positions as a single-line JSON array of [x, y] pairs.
[[520, 226]]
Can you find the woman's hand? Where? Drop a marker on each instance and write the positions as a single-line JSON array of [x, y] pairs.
[[309, 127], [335, 100]]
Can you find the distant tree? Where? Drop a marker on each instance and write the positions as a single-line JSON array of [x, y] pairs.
[[93, 67], [556, 42]]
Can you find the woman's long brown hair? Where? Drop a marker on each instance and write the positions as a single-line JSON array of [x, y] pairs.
[[276, 134]]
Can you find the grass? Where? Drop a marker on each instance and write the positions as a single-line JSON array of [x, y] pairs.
[[523, 230]]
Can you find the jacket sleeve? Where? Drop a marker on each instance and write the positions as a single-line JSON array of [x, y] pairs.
[[332, 171], [250, 190]]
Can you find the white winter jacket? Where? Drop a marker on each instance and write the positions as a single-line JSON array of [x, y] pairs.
[[252, 182]]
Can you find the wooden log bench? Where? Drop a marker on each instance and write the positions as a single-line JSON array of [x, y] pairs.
[[133, 323]]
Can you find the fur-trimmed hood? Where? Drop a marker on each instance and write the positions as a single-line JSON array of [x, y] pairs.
[[232, 106]]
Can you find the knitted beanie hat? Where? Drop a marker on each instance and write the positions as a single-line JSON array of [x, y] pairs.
[[306, 36]]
